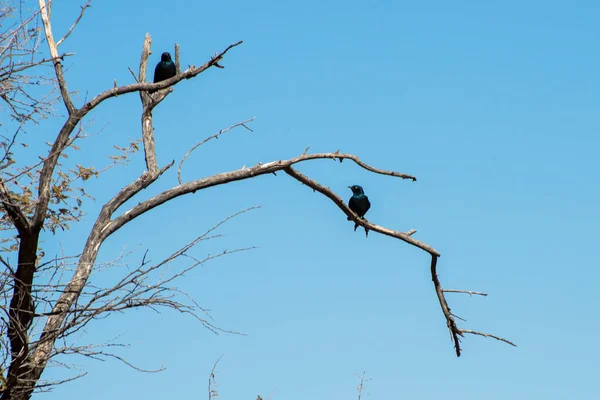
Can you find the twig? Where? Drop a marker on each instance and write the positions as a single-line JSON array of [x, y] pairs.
[[215, 136], [34, 64], [211, 379], [83, 8], [133, 74], [488, 335], [361, 385], [469, 292], [177, 64]]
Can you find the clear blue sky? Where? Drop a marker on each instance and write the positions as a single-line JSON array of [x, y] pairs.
[[494, 107]]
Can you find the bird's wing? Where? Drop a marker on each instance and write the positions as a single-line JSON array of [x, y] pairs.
[[352, 203], [156, 72]]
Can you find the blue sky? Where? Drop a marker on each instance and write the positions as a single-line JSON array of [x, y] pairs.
[[494, 107]]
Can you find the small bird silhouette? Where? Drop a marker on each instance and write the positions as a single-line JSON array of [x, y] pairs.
[[359, 202], [165, 69]]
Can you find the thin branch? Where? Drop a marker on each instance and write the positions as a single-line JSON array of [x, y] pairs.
[[83, 8], [34, 64], [56, 383], [215, 136], [361, 385], [133, 74], [469, 292], [211, 379], [488, 335], [177, 64], [130, 365]]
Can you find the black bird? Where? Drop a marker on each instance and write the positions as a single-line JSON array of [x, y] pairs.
[[165, 69], [359, 202]]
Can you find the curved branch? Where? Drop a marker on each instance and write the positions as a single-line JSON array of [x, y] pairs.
[[362, 222], [237, 175]]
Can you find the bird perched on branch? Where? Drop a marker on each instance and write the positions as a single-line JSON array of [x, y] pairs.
[[359, 202], [165, 69]]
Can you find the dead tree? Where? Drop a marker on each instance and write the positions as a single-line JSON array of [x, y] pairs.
[[40, 312]]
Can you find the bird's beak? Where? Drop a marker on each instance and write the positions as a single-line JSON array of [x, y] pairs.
[[349, 187]]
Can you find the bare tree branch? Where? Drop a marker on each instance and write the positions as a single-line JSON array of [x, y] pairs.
[[53, 47], [488, 335], [215, 136], [83, 8], [190, 73], [177, 64], [363, 222], [450, 322], [361, 385], [241, 174], [212, 383], [147, 106], [27, 66], [469, 292]]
